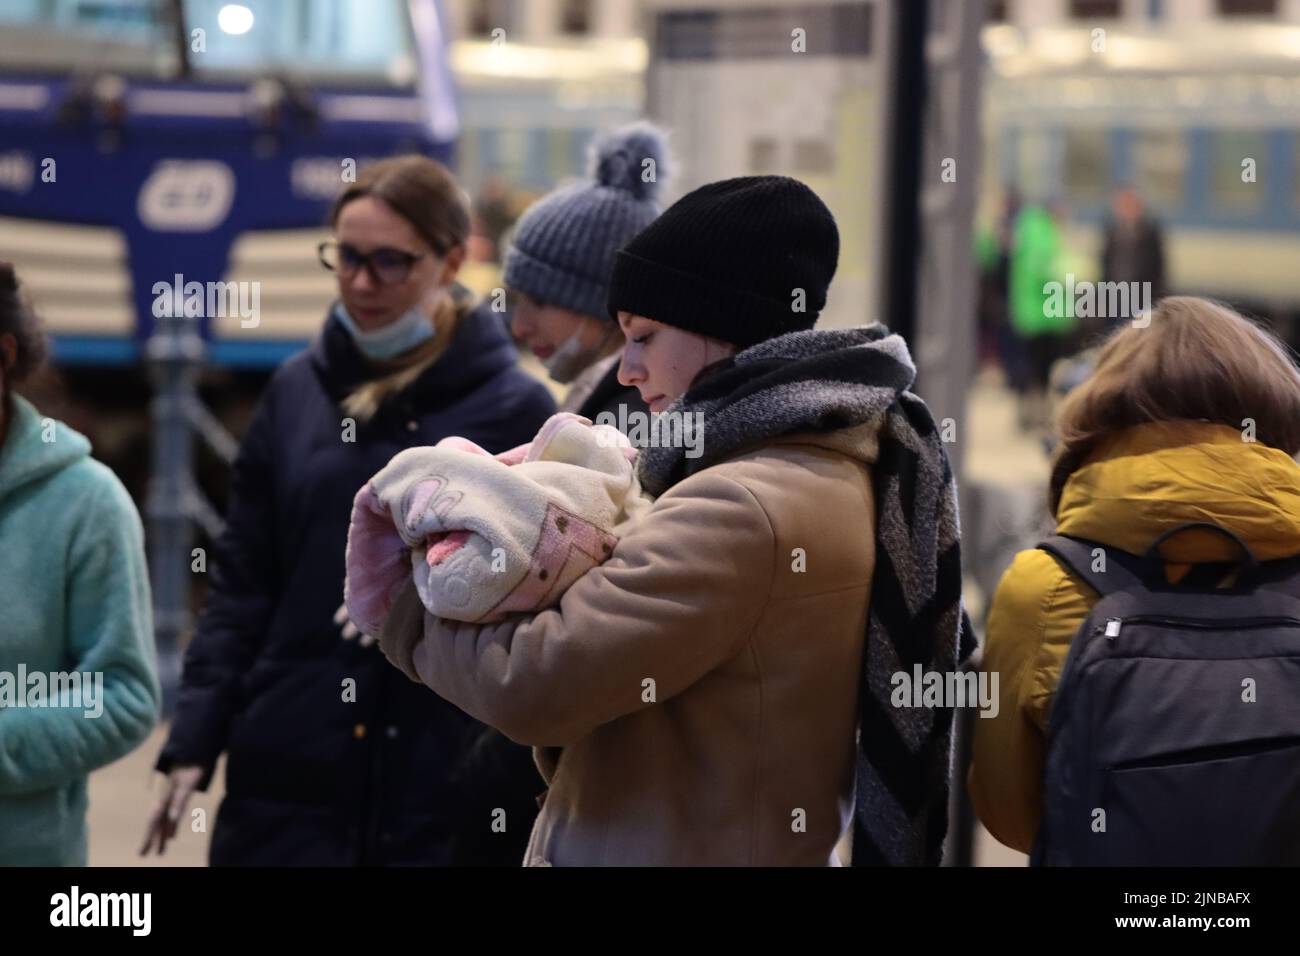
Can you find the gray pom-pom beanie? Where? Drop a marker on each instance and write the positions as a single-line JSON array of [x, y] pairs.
[[563, 247]]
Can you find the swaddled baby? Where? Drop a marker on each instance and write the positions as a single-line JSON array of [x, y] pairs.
[[485, 536]]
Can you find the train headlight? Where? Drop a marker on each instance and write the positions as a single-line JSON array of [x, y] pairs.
[[235, 19]]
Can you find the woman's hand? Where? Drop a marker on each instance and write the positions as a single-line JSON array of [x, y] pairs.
[[167, 812]]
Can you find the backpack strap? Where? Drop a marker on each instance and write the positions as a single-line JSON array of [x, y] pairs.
[[1076, 554], [1281, 575]]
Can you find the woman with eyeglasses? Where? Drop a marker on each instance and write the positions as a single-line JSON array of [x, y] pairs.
[[333, 759]]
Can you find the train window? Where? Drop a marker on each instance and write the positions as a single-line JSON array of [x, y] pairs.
[[133, 36], [487, 15], [1160, 166], [369, 40], [141, 36], [1247, 8], [575, 17], [479, 18], [1295, 172], [1095, 9], [1087, 164], [1237, 156]]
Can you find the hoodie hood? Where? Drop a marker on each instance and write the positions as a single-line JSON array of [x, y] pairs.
[[35, 448], [1153, 477]]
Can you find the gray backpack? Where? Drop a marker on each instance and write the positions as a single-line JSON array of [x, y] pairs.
[[1174, 736]]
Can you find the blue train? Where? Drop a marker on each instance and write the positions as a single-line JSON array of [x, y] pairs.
[[145, 142]]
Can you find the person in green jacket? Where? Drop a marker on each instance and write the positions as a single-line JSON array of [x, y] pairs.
[[78, 681], [1042, 311]]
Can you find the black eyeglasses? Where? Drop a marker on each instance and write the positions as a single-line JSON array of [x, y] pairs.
[[386, 266]]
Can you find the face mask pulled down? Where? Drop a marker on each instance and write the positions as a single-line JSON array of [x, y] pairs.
[[412, 329], [570, 358]]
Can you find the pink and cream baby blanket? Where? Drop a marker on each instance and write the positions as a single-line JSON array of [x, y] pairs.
[[485, 536]]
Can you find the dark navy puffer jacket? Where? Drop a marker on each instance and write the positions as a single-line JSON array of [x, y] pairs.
[[397, 776]]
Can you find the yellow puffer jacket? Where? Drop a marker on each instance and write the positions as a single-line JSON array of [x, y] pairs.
[[1149, 479]]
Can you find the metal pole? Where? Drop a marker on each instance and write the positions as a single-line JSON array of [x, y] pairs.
[[174, 354], [175, 13], [907, 92], [945, 342], [933, 125]]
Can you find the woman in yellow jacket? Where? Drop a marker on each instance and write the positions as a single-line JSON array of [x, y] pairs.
[[1193, 417]]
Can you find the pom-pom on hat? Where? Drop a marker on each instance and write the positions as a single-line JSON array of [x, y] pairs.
[[564, 245]]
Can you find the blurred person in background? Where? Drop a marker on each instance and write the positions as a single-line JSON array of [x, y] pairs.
[[333, 760], [993, 247], [494, 213], [559, 262], [1133, 248], [1043, 322], [74, 587]]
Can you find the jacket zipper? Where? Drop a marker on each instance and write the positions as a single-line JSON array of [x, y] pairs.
[[1113, 624]]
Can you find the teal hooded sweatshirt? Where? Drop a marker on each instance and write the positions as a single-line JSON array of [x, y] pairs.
[[78, 680]]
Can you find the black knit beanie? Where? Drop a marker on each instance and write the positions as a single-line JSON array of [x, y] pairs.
[[742, 260]]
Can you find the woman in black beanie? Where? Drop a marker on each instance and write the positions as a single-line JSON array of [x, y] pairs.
[[725, 688]]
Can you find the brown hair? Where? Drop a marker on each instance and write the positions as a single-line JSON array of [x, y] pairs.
[[1197, 361], [17, 319], [421, 191]]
